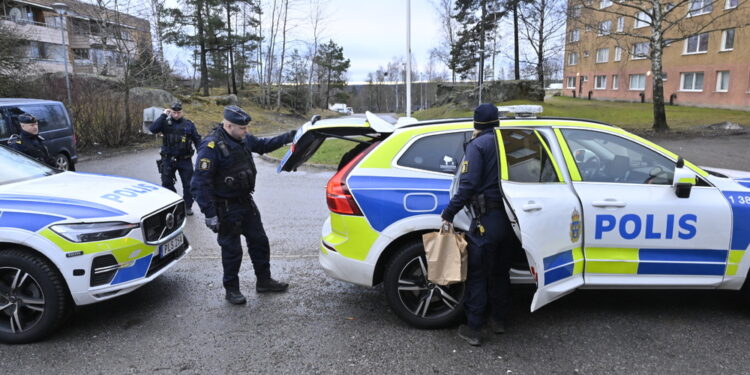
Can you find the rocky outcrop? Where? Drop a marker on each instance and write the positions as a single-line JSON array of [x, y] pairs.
[[493, 92], [151, 97]]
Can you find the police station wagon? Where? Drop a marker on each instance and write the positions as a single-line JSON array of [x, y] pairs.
[[592, 206], [75, 239]]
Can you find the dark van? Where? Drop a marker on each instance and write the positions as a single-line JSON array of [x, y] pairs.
[[54, 126]]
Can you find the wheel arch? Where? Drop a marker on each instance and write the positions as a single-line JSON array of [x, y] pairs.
[[392, 249], [5, 245]]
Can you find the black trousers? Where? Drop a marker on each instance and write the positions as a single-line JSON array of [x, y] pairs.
[[488, 279], [169, 170], [236, 219]]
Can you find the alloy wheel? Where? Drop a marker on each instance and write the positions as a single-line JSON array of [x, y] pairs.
[[22, 301], [424, 298], [62, 162]]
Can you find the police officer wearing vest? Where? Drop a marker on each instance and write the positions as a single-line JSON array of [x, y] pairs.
[[180, 135], [488, 281], [30, 142], [223, 186]]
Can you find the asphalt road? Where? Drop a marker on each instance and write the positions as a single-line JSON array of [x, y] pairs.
[[181, 324]]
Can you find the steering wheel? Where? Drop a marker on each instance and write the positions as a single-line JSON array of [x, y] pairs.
[[657, 175], [588, 163]]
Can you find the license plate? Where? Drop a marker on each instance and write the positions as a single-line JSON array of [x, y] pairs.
[[171, 245]]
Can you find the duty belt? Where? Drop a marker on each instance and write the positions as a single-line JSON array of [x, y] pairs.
[[174, 157], [243, 200]]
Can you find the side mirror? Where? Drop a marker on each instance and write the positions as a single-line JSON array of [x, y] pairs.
[[684, 179]]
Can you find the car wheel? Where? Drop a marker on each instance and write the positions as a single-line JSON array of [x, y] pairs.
[[33, 297], [62, 162], [414, 299]]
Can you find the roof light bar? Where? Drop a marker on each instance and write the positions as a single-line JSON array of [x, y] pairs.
[[524, 110]]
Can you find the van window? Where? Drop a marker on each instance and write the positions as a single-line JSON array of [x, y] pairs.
[[436, 153], [5, 130], [50, 117]]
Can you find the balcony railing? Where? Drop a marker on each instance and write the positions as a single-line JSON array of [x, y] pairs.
[[23, 21]]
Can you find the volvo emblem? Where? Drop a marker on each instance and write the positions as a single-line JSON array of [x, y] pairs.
[[169, 220]]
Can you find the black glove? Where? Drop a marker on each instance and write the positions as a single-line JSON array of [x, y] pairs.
[[290, 136], [213, 223]]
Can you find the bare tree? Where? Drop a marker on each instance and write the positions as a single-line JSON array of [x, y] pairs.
[[663, 23], [318, 16], [449, 28], [543, 27]]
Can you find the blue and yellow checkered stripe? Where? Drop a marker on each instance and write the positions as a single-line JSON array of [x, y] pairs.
[[563, 265], [695, 262]]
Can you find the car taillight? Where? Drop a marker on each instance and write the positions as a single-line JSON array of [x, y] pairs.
[[338, 196]]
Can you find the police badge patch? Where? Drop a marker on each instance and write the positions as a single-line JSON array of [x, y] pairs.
[[465, 166], [204, 164], [575, 226]]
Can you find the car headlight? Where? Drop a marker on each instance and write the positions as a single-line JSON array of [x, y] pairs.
[[93, 231]]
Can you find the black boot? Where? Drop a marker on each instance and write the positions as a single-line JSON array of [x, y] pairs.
[[470, 335], [235, 297], [270, 285]]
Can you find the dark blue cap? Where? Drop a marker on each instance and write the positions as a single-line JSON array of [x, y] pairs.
[[236, 115], [485, 116], [26, 118], [176, 106]]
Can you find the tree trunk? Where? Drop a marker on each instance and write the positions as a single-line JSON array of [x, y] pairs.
[[657, 52], [540, 50], [283, 52], [231, 46], [515, 42], [202, 41]]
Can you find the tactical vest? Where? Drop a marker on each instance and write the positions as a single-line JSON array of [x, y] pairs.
[[32, 146], [240, 175], [176, 139]]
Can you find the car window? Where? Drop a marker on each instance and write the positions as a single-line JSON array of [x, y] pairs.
[[527, 157], [436, 153], [17, 167], [50, 117], [5, 130], [603, 157]]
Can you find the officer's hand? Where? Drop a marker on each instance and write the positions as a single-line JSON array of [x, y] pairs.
[[167, 111], [213, 223], [290, 135]]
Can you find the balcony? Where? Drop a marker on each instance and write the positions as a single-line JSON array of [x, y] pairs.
[[31, 30]]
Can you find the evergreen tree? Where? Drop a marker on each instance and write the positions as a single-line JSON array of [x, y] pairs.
[[332, 67], [478, 18]]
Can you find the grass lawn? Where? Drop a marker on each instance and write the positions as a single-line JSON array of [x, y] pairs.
[[625, 115], [329, 153]]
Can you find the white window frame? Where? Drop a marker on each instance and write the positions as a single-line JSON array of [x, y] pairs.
[[604, 55], [600, 82], [697, 44], [719, 75], [620, 24], [641, 20], [573, 58], [575, 11], [695, 75], [575, 35], [630, 82], [728, 4], [634, 53], [605, 3], [707, 7], [618, 53], [605, 27], [724, 39], [615, 82], [571, 79]]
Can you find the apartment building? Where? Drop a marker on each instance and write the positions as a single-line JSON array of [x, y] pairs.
[[710, 68], [98, 41]]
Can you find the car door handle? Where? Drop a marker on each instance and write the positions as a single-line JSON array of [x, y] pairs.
[[608, 203], [532, 206]]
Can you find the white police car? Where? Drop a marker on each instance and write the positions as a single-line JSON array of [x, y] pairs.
[[592, 205], [74, 239]]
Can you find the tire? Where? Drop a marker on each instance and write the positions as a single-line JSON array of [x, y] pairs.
[[33, 297], [414, 299], [63, 162]]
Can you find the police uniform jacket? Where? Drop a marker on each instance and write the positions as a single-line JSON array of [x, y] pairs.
[[179, 135], [479, 174], [33, 146], [225, 168]]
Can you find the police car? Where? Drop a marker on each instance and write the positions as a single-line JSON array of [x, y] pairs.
[[592, 206], [71, 239]]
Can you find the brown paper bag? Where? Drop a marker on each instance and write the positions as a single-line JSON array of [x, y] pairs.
[[446, 255]]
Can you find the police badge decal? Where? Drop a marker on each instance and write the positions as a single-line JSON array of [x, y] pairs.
[[575, 226]]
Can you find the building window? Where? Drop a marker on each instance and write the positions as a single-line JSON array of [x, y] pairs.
[[80, 53], [604, 28], [576, 11], [638, 82], [585, 53], [691, 81], [600, 82], [618, 53], [640, 51], [585, 78], [615, 82], [575, 35], [602, 55], [722, 81], [731, 4], [664, 76], [604, 3], [727, 40], [696, 44], [641, 20], [698, 7], [571, 82], [572, 58], [620, 24]]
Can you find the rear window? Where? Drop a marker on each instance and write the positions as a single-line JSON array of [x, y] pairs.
[[436, 153], [50, 116]]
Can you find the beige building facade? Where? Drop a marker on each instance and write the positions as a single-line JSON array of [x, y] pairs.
[[710, 68], [98, 41]]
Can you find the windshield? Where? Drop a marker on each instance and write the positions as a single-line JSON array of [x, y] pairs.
[[17, 167]]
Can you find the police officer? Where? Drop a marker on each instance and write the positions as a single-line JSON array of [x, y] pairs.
[[180, 135], [30, 142], [487, 281], [223, 186]]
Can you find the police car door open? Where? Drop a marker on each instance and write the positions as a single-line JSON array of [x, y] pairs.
[[543, 209], [638, 231]]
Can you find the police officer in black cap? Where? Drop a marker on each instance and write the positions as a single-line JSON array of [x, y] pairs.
[[30, 142], [180, 135], [488, 280], [223, 185]]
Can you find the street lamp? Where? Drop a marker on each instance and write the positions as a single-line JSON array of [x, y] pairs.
[[408, 58], [62, 9]]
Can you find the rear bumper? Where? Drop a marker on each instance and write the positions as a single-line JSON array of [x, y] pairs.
[[346, 269]]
